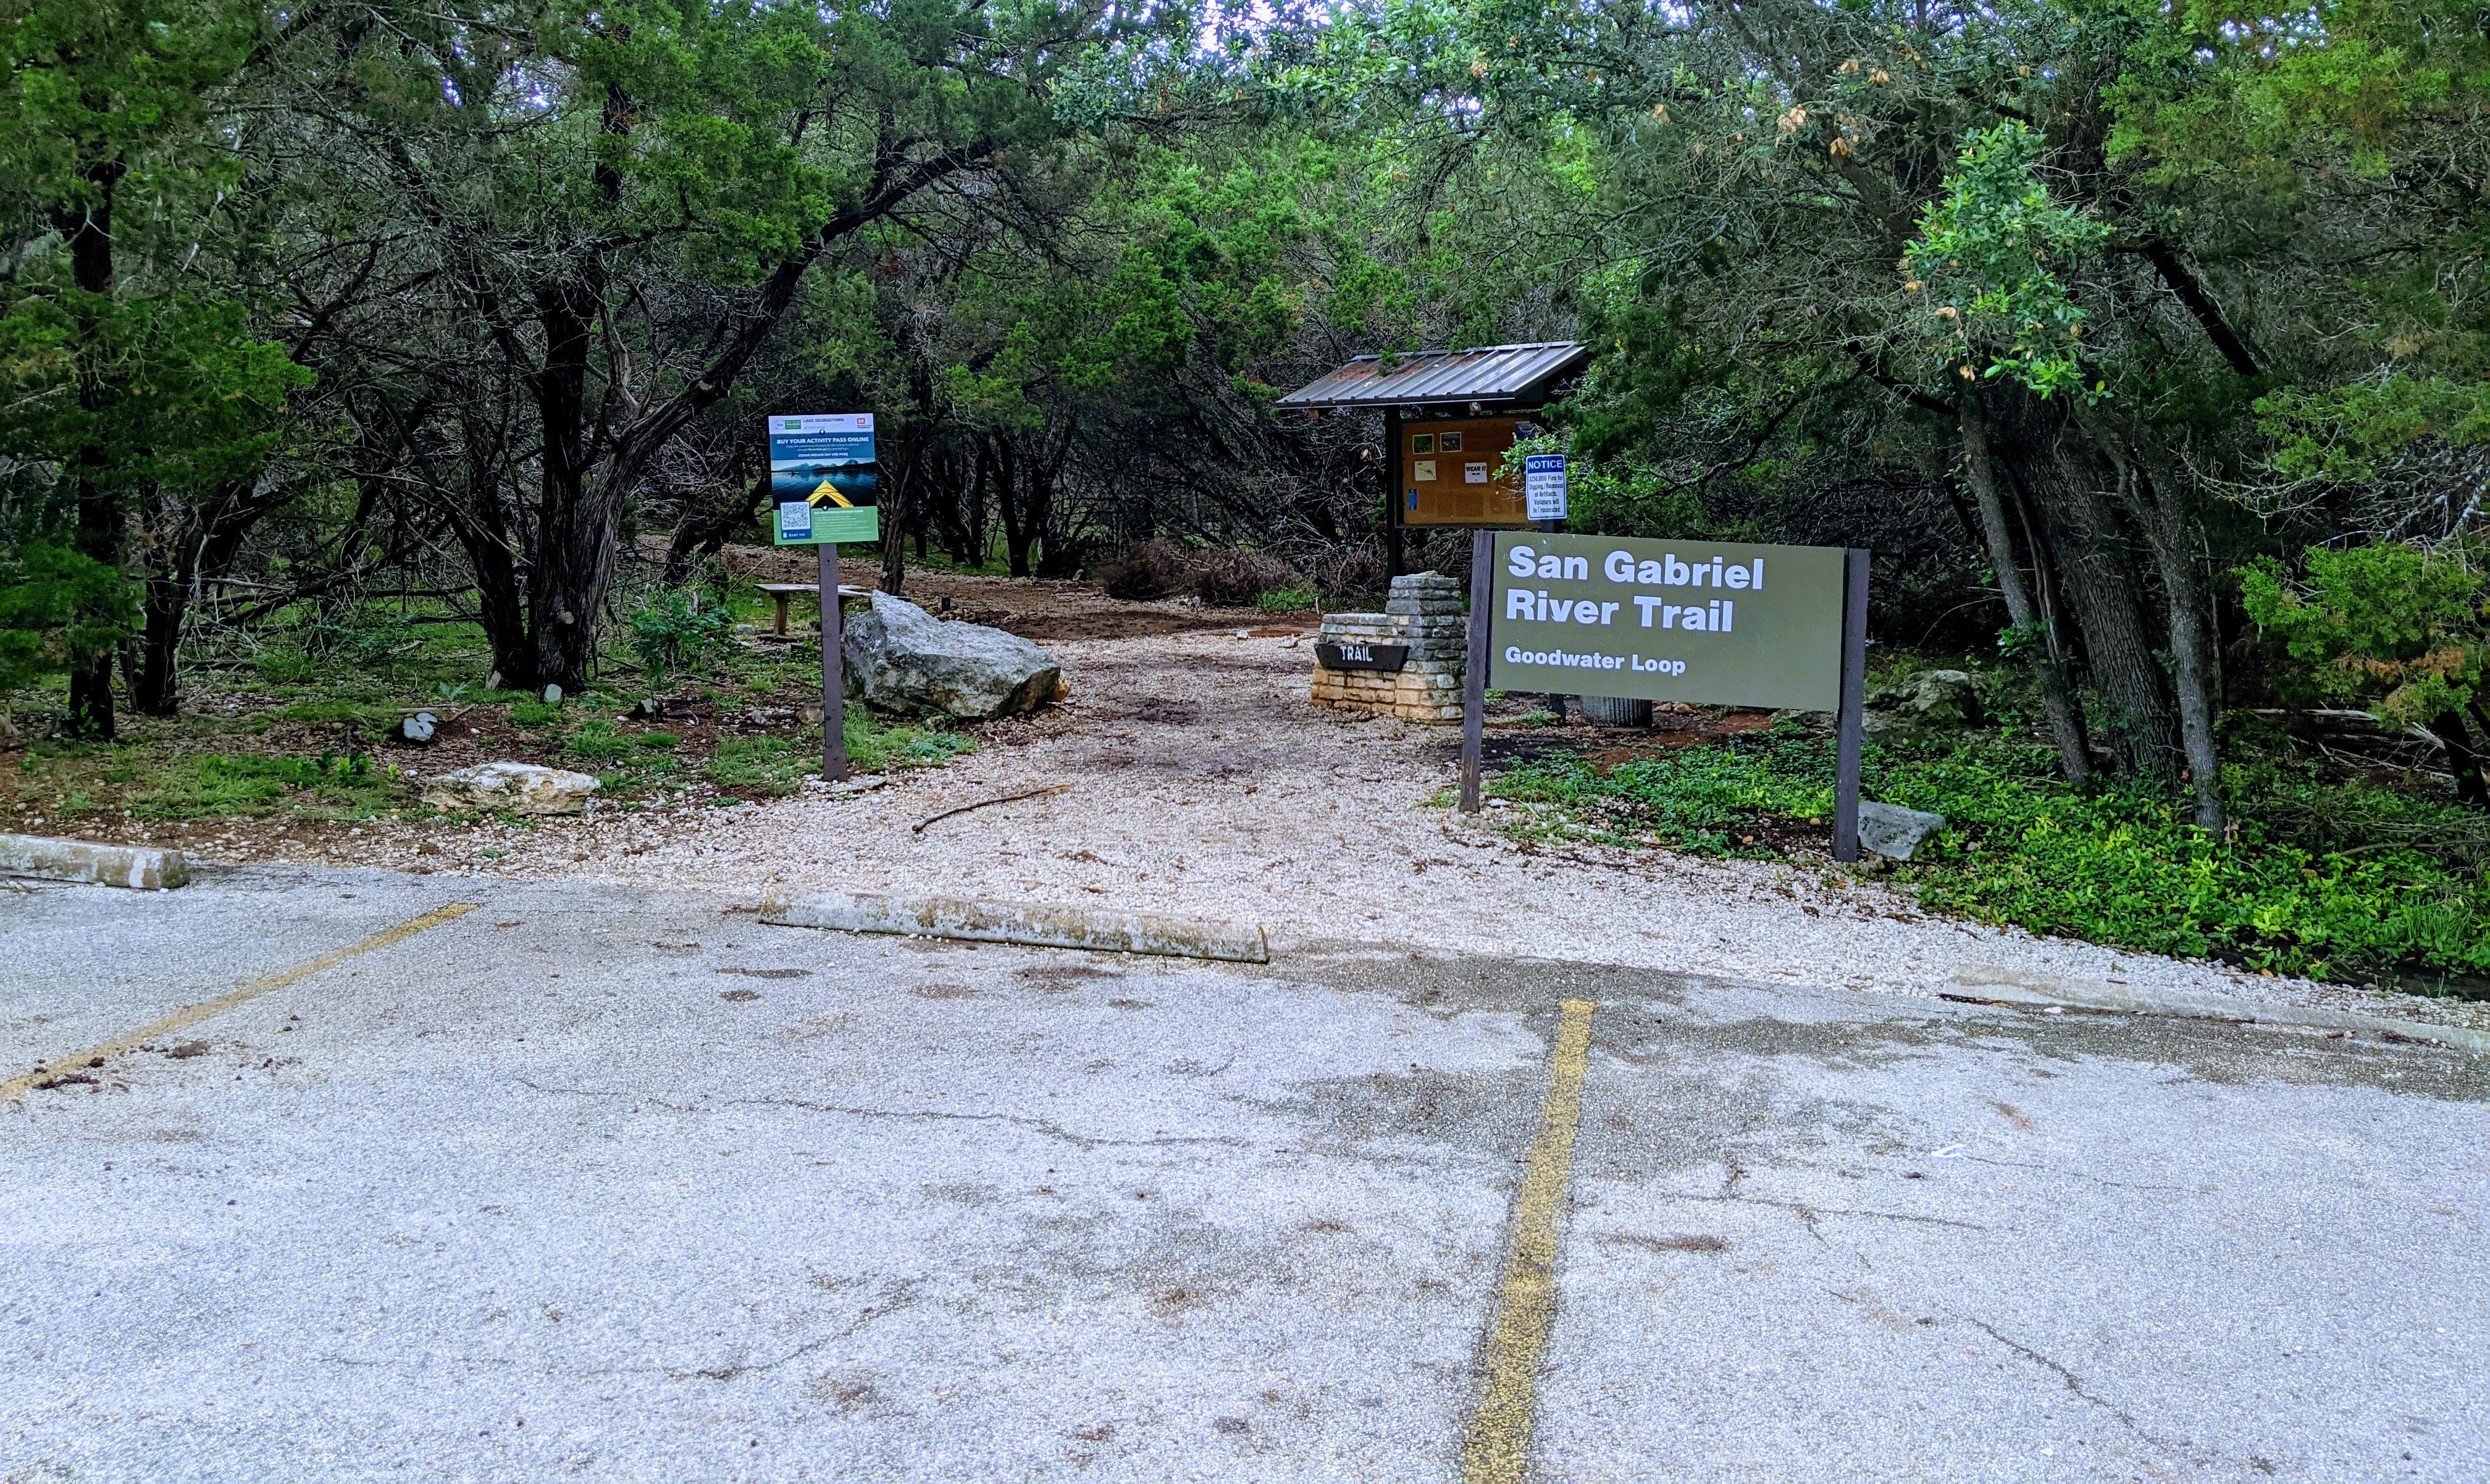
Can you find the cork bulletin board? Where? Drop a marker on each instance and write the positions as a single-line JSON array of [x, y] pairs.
[[1451, 473]]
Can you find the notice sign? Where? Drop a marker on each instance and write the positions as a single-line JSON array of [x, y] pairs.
[[822, 477], [1710, 623], [1543, 486]]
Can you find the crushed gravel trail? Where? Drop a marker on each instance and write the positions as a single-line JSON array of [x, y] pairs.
[[1202, 782]]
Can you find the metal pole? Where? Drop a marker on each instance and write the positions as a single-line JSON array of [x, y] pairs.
[[1392, 493], [1474, 684], [1556, 701], [834, 701], [1854, 687]]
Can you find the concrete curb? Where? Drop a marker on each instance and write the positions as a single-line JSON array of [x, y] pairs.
[[1980, 982], [143, 867], [1024, 923]]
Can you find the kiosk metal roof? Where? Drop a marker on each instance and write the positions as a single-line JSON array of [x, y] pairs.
[[1484, 373]]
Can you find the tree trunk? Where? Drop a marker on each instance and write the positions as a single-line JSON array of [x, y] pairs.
[[155, 685], [2195, 670], [483, 533], [2063, 481], [574, 535], [89, 231], [898, 499], [2463, 759], [2048, 670], [1020, 524]]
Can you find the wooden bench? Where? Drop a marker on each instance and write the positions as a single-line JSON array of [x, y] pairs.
[[781, 592]]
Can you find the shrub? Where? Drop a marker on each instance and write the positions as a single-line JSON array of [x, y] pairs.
[[54, 602], [1236, 577], [674, 630], [371, 637], [1148, 569], [1292, 598], [1355, 578]]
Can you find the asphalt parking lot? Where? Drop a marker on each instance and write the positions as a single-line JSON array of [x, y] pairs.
[[584, 1183]]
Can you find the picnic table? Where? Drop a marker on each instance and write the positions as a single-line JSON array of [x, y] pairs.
[[781, 592]]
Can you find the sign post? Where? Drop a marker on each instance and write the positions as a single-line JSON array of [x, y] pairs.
[[1474, 684], [822, 482], [1853, 717], [1710, 623]]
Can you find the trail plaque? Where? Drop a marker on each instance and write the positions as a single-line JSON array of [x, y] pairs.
[[1708, 622]]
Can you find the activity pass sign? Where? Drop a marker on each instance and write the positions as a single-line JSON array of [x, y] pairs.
[[1706, 622], [824, 488]]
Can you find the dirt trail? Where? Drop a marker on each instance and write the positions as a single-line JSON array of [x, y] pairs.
[[1202, 782]]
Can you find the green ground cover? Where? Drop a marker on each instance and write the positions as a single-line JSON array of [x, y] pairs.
[[298, 726], [2333, 879]]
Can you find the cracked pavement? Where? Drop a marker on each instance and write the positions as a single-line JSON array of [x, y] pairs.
[[612, 1184]]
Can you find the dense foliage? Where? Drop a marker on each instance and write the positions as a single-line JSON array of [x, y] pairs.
[[2147, 346]]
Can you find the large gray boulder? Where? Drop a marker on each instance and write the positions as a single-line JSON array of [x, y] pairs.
[[900, 658], [525, 788]]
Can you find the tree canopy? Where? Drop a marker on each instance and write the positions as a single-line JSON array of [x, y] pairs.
[[2147, 344]]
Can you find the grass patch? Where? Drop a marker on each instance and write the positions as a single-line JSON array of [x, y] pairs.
[[774, 764], [217, 784], [2335, 881], [764, 765], [597, 740]]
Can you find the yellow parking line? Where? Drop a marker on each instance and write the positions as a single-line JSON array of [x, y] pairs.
[[1499, 1446], [192, 1015]]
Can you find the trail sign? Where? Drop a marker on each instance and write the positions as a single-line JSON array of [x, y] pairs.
[[1713, 622], [822, 482], [823, 479], [1708, 622]]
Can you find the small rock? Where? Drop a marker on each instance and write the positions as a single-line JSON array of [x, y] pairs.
[[417, 728], [552, 695], [529, 788], [1942, 698], [1893, 831], [493, 682]]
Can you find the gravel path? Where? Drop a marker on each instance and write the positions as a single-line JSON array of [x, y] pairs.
[[1202, 782]]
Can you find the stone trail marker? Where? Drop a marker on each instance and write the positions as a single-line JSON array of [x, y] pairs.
[[1708, 622], [1405, 661]]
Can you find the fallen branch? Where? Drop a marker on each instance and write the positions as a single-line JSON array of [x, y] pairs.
[[919, 826]]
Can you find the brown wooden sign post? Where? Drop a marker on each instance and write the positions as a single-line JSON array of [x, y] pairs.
[[1709, 623], [835, 699]]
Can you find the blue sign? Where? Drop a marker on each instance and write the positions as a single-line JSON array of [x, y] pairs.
[[1543, 486], [821, 465]]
